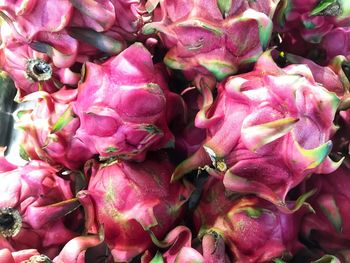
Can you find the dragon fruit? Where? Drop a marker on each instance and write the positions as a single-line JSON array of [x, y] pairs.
[[75, 250], [328, 227], [34, 70], [132, 202], [49, 126], [336, 42], [189, 138], [31, 16], [124, 106], [124, 17], [254, 230], [33, 203], [22, 256], [267, 130], [213, 37], [179, 242], [98, 15], [317, 22]]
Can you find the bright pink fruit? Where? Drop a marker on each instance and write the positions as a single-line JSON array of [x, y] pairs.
[[124, 106], [254, 230], [32, 70], [32, 16], [212, 249], [74, 251], [33, 203], [49, 126], [317, 22], [213, 37], [266, 131], [131, 199]]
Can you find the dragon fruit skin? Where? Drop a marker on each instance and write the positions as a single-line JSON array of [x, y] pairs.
[[49, 126], [125, 17], [179, 240], [130, 200], [34, 201], [31, 16], [336, 42], [204, 37], [316, 22], [124, 106], [254, 230], [329, 227], [75, 250], [21, 256], [264, 131], [32, 70], [98, 15]]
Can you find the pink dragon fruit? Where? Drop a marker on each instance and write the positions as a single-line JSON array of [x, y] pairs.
[[121, 16], [266, 131], [23, 256], [336, 42], [316, 22], [213, 37], [33, 203], [189, 138], [75, 251], [45, 70], [132, 201], [49, 126], [179, 242], [329, 227], [31, 16], [98, 15], [124, 106], [331, 77], [254, 230]]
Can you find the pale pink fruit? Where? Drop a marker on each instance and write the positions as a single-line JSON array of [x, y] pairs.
[[131, 200], [33, 203], [213, 37], [254, 230], [49, 127], [124, 106], [267, 130]]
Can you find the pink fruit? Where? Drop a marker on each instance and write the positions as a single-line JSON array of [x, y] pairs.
[[32, 16], [74, 251], [49, 126], [213, 37], [32, 70], [254, 230], [329, 227], [95, 14], [33, 203], [130, 200], [266, 131], [124, 106], [23, 256], [318, 22], [178, 248]]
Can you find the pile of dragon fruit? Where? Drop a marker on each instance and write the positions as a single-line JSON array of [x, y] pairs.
[[176, 131]]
